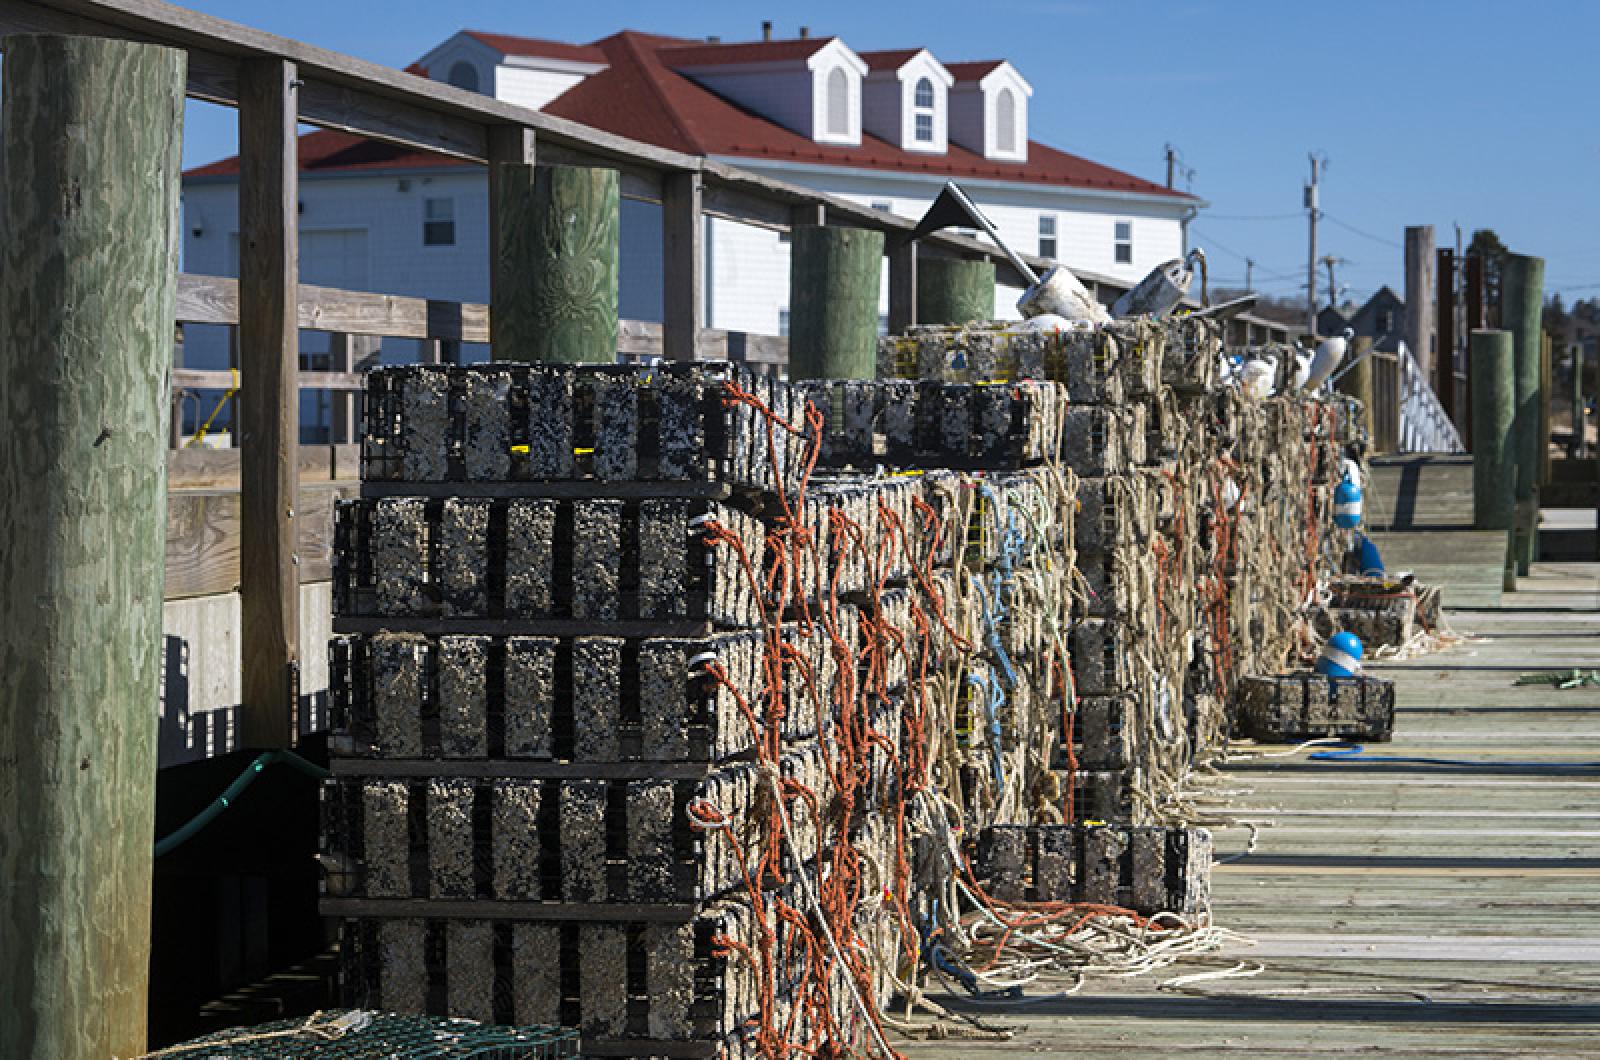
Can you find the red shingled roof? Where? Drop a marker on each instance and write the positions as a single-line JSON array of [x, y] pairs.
[[890, 60], [973, 71], [640, 95], [757, 51], [533, 46]]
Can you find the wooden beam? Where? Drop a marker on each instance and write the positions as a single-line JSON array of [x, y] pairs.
[[90, 134], [203, 538], [269, 409], [683, 228], [902, 286], [215, 300]]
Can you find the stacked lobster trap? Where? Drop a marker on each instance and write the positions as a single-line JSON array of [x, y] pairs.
[[676, 703]]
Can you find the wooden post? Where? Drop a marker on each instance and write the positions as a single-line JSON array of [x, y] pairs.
[[833, 303], [1475, 321], [556, 292], [345, 354], [1419, 297], [1547, 392], [955, 291], [1521, 312], [683, 228], [903, 279], [1357, 383], [1578, 448], [1494, 457], [268, 402], [517, 147], [1445, 370], [92, 142]]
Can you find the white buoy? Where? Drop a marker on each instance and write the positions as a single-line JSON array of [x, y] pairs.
[[1302, 370], [1058, 292], [1050, 322], [1329, 353], [1258, 376], [1164, 289]]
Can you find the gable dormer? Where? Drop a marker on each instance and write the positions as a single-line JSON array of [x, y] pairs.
[[522, 70], [989, 110], [905, 100], [811, 86]]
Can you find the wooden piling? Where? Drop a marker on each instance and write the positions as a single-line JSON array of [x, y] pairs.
[[954, 291], [1521, 313], [555, 289], [834, 277], [1494, 456], [92, 138], [1357, 382]]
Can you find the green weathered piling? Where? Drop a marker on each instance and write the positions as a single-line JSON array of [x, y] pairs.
[[92, 140], [555, 289], [953, 291], [1494, 456], [1521, 313], [834, 278]]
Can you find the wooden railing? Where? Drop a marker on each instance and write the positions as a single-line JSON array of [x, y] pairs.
[[277, 84], [1385, 402]]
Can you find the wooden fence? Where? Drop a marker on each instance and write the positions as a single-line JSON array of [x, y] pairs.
[[276, 84]]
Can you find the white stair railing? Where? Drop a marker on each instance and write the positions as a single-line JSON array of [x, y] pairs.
[[1424, 426]]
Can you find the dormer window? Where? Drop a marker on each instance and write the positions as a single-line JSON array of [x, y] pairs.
[[1005, 121], [464, 75], [838, 95], [922, 107]]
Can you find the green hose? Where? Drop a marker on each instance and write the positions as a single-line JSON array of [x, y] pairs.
[[176, 839]]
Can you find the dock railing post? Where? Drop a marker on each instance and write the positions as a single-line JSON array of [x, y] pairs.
[[834, 277], [1521, 312], [556, 261], [1494, 449], [92, 141], [1357, 383]]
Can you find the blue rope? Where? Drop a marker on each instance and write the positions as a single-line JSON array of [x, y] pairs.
[[1355, 754]]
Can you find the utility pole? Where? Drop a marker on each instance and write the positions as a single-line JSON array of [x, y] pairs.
[[1311, 258], [1249, 274], [1333, 287], [1172, 161]]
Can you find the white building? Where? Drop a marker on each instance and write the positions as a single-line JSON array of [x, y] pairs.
[[885, 129]]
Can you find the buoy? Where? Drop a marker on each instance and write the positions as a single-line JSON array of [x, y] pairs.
[[1341, 656], [1370, 559], [1347, 504]]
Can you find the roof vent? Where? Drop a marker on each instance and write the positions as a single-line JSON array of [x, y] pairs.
[[766, 29], [805, 32], [713, 40]]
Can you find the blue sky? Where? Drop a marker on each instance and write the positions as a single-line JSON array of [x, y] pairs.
[[1472, 112]]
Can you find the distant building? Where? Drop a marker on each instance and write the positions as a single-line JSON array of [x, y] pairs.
[[1382, 319], [885, 129]]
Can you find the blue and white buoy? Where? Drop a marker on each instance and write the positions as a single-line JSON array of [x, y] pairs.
[[1341, 656], [1347, 504], [1370, 560]]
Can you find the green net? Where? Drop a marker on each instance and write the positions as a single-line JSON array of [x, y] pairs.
[[337, 1034]]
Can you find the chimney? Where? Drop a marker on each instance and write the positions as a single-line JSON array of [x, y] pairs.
[[766, 30], [713, 40], [805, 32]]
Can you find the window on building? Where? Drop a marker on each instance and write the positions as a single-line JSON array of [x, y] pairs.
[[1124, 243], [1005, 121], [464, 75], [922, 105], [838, 102], [1047, 235], [783, 323], [438, 222], [1385, 321]]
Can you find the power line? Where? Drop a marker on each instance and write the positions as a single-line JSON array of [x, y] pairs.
[[1250, 216], [1365, 235]]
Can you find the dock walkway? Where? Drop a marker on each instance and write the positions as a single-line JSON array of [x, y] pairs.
[[1402, 908]]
